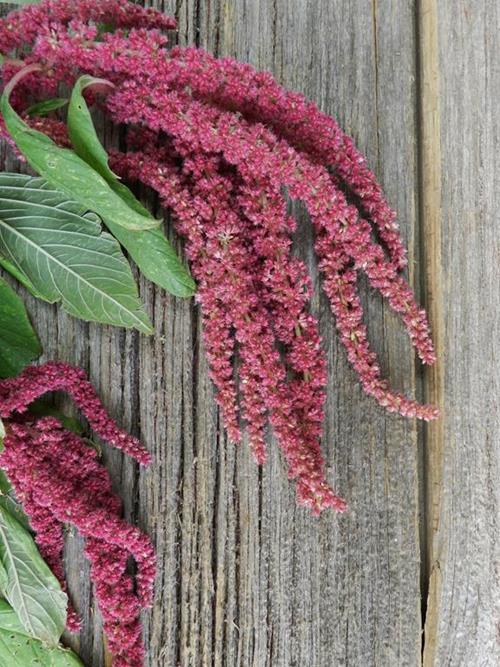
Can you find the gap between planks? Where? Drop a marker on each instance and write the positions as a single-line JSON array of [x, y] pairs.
[[430, 248]]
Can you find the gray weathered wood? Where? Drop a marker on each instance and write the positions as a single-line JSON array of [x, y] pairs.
[[463, 622], [287, 588], [246, 577]]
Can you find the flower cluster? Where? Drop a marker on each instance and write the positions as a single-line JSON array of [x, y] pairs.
[[59, 480], [224, 146]]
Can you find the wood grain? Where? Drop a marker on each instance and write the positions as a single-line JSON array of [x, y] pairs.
[[246, 578], [463, 622], [430, 176], [256, 581]]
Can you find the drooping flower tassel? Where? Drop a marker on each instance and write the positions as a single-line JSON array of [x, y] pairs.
[[221, 142], [59, 481]]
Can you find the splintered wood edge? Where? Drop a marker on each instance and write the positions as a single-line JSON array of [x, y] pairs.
[[430, 192]]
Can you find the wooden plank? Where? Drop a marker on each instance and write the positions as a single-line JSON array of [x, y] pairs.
[[430, 189], [463, 617], [246, 577], [290, 589]]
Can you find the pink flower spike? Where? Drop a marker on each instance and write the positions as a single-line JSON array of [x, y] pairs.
[[60, 481], [225, 147], [35, 381]]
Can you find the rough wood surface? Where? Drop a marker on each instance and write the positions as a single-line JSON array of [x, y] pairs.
[[247, 578], [463, 623]]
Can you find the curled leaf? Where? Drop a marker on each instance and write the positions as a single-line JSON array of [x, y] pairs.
[[16, 272], [8, 500]]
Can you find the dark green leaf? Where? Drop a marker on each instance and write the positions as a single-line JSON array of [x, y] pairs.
[[64, 170], [150, 250], [18, 649], [42, 408], [45, 107], [31, 588], [19, 344], [19, 2], [65, 255], [4, 482], [105, 27]]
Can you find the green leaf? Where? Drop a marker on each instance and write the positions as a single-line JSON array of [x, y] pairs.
[[83, 135], [9, 503], [7, 499], [156, 258], [42, 408], [65, 255], [150, 250], [19, 344], [64, 170], [17, 649], [8, 619], [45, 107], [5, 486], [105, 27], [31, 589], [19, 275], [19, 2], [3, 577]]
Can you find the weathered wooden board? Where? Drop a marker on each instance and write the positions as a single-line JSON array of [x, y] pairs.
[[463, 623], [289, 589], [246, 577]]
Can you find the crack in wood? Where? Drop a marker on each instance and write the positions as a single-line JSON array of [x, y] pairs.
[[430, 252]]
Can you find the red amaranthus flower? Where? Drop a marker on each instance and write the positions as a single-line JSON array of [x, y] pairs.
[[59, 481], [222, 144]]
